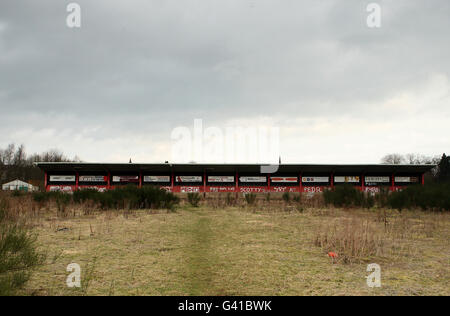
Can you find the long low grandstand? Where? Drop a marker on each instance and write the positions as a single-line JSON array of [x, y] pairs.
[[245, 178]]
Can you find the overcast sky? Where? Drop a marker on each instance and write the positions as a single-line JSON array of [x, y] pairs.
[[339, 91]]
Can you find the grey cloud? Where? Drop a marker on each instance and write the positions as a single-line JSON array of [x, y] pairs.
[[153, 65]]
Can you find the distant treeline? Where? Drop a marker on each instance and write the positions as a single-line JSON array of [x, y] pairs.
[[431, 197], [435, 195], [15, 163]]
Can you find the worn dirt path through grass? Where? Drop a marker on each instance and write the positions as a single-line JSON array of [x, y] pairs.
[[199, 256]]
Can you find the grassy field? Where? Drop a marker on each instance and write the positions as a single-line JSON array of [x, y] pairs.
[[266, 250]]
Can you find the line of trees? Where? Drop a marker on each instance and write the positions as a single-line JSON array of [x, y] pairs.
[[410, 159], [15, 163], [441, 173]]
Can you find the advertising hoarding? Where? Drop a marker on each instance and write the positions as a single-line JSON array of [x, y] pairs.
[[221, 179], [93, 178], [371, 179], [346, 179], [252, 179], [283, 179], [314, 179], [156, 178], [125, 178], [188, 178], [406, 179], [59, 178]]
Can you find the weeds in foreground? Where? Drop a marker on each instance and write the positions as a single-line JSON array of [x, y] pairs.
[[194, 199], [359, 238], [62, 201], [353, 239], [18, 254], [250, 198], [88, 276], [230, 199], [286, 197]]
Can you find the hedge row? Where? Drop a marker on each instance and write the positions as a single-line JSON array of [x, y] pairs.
[[348, 196], [128, 197], [434, 197]]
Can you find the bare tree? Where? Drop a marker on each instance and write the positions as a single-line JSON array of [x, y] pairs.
[[418, 159], [393, 159], [19, 158], [8, 154], [16, 164]]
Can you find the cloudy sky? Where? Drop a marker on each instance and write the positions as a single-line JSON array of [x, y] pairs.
[[115, 88]]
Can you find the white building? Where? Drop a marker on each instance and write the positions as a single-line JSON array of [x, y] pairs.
[[18, 185]]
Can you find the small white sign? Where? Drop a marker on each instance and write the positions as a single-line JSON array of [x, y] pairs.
[[190, 189], [221, 179]]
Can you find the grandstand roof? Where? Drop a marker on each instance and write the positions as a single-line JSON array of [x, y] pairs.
[[229, 168]]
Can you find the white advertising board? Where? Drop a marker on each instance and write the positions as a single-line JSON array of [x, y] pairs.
[[188, 178], [346, 179], [252, 179], [377, 179], [283, 179], [314, 179], [125, 178], [406, 179], [156, 178], [93, 178], [221, 179], [59, 178]]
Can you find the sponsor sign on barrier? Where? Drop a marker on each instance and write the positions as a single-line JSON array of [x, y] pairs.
[[372, 189], [189, 189], [220, 189], [93, 187], [312, 189], [252, 189], [61, 188], [284, 189]]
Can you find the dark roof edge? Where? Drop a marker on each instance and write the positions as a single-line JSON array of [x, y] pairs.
[[49, 166]]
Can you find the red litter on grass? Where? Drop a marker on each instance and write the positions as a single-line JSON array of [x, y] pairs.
[[332, 254]]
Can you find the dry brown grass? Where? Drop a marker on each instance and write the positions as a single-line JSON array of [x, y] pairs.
[[271, 248], [354, 240]]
